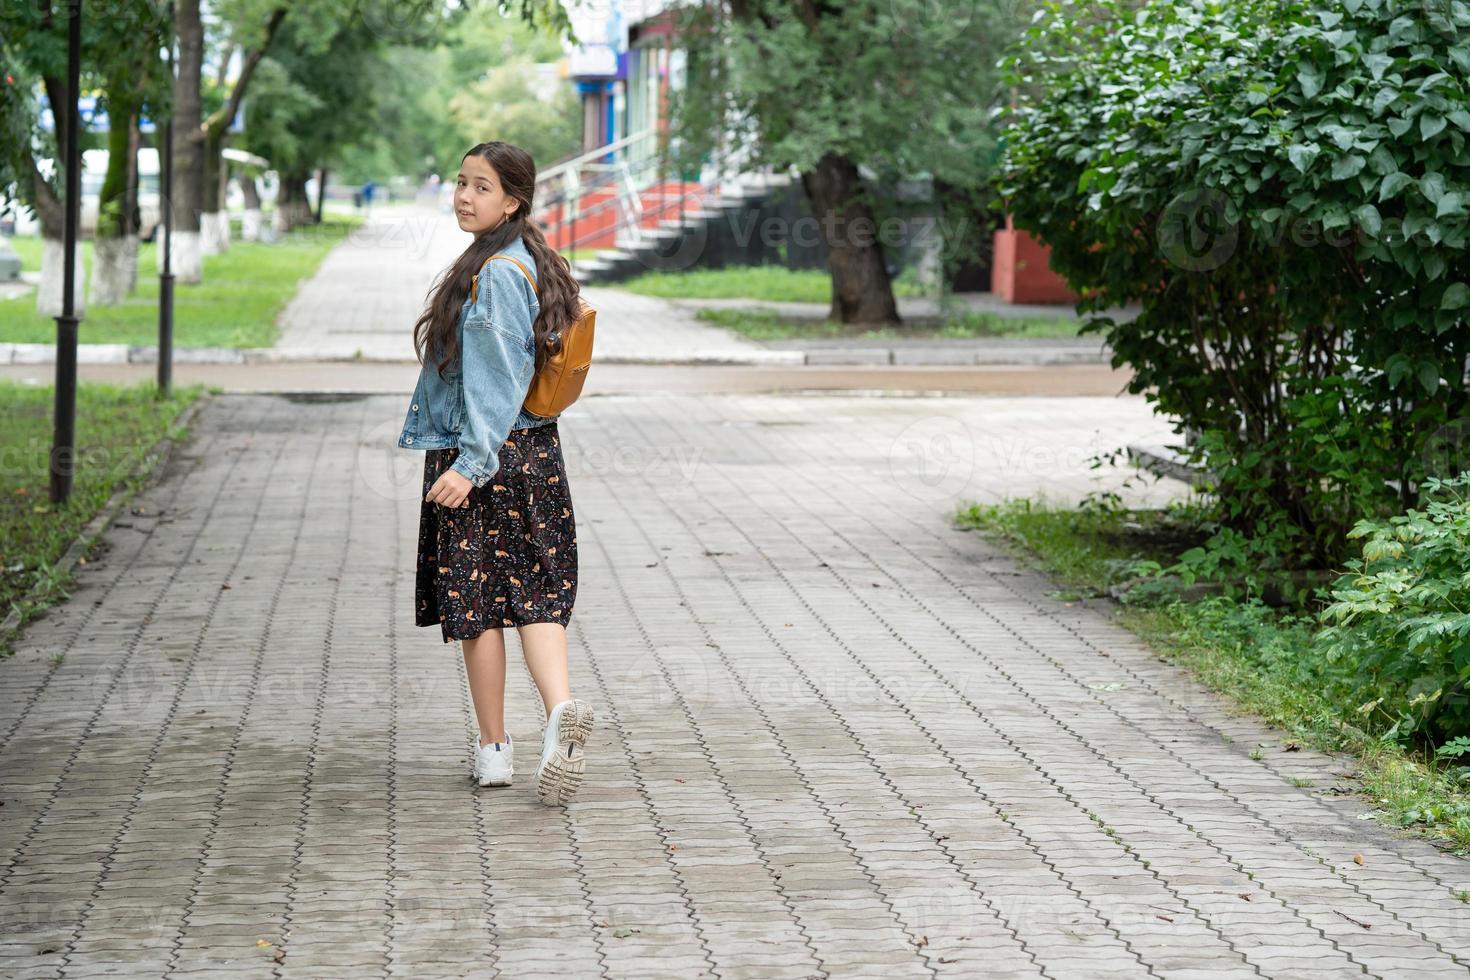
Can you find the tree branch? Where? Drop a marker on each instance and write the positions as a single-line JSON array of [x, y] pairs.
[[220, 119], [224, 66]]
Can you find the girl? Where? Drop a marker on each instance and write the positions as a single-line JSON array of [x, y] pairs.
[[497, 537]]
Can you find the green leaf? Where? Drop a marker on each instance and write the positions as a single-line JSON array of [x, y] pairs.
[[1342, 136], [1434, 265], [1381, 161], [1398, 369], [1392, 185], [1431, 185], [1456, 296], [1448, 205], [1429, 376], [1430, 125], [1461, 118], [1369, 220], [1310, 78], [1301, 155], [1348, 166], [1377, 64], [1384, 98]]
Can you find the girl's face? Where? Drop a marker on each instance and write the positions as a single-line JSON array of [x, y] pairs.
[[480, 202]]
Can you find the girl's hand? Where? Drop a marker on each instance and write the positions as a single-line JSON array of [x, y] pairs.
[[452, 489]]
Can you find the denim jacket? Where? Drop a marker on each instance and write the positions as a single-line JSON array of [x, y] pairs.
[[479, 399]]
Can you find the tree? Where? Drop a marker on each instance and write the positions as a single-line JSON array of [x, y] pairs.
[[33, 45], [501, 103], [823, 87], [368, 26], [200, 226], [128, 52], [313, 105], [17, 110], [493, 55], [441, 84], [185, 199]]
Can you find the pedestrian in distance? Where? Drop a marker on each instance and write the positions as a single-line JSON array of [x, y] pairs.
[[497, 542]]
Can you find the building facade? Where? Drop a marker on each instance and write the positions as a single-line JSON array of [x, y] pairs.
[[624, 69]]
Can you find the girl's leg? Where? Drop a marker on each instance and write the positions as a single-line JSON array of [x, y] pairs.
[[545, 649], [484, 661]]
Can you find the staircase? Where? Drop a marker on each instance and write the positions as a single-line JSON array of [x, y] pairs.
[[620, 198], [677, 241]]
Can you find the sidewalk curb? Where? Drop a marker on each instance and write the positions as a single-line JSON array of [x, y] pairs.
[[153, 461], [905, 356]]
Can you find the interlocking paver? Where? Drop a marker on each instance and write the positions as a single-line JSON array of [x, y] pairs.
[[367, 292], [837, 737]]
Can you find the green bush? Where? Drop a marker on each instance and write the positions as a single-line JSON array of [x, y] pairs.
[[1401, 616], [1282, 185]]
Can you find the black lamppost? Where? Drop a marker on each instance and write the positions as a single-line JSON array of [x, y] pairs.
[[63, 443], [166, 276]]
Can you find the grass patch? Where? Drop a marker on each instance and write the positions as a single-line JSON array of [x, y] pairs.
[[767, 324], [1260, 657], [115, 426], [770, 283], [582, 254], [236, 305], [978, 324]]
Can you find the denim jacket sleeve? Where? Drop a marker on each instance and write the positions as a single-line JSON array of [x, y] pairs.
[[498, 361]]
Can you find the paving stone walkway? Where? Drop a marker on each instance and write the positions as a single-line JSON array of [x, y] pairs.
[[836, 737], [369, 290]]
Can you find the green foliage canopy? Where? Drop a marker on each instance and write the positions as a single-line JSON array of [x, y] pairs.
[[1283, 186], [904, 87]]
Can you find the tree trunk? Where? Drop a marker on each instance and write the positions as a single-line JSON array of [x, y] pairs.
[[292, 207], [250, 226], [186, 197], [321, 192], [861, 289], [214, 223], [51, 212], [53, 272], [131, 203], [115, 248]]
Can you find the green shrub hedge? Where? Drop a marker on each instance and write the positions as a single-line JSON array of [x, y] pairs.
[[1283, 186], [1400, 622]]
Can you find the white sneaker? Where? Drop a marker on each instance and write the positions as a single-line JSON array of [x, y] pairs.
[[493, 763], [563, 751]]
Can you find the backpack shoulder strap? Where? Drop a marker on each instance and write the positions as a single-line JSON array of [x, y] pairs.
[[475, 282], [524, 271]]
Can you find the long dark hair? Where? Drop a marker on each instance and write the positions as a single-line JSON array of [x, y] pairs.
[[558, 291]]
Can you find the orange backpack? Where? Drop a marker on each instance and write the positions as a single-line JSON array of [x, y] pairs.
[[559, 381]]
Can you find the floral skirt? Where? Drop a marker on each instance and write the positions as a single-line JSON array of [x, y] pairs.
[[509, 558]]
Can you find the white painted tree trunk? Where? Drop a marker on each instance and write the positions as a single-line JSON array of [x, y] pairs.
[[188, 263], [114, 270], [53, 271], [214, 232], [929, 244], [250, 225]]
